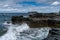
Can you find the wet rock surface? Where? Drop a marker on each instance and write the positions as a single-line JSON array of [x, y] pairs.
[[54, 34]]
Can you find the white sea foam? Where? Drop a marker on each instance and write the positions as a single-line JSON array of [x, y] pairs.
[[23, 32]]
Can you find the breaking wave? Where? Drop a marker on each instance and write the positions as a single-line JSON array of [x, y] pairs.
[[23, 32]]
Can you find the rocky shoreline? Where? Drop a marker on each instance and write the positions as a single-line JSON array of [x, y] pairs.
[[35, 20], [54, 34]]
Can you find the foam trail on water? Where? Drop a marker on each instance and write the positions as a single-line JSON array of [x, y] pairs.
[[13, 31], [23, 32]]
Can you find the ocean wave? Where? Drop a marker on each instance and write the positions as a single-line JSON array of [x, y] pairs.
[[24, 32]]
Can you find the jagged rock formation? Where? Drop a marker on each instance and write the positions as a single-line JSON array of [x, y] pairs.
[[54, 34], [38, 20]]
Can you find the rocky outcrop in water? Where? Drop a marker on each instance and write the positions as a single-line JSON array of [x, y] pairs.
[[38, 20]]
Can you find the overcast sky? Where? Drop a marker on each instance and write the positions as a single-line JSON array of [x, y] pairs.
[[10, 6]]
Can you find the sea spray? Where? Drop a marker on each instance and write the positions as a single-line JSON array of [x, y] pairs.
[[23, 32], [13, 31], [35, 33]]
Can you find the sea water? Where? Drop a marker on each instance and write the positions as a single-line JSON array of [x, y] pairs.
[[22, 32]]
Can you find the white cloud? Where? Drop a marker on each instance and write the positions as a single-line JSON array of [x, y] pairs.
[[30, 8], [11, 6], [46, 9], [56, 3]]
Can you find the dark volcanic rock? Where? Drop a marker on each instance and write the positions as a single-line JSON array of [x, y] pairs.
[[17, 19], [54, 34], [36, 20]]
